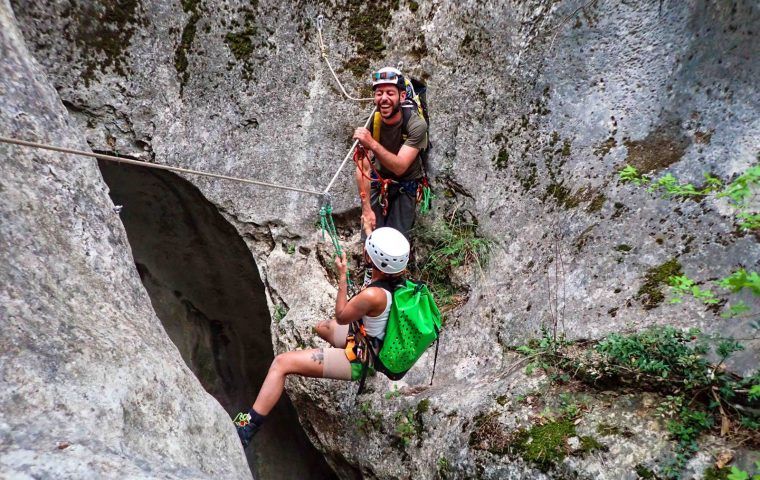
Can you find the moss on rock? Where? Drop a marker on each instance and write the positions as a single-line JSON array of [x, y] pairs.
[[103, 30], [660, 149], [193, 8], [650, 294], [367, 22], [544, 445]]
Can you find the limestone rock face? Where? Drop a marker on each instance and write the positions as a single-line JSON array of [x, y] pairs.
[[92, 385], [535, 107]]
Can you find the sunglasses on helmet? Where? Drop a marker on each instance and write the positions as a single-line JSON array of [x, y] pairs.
[[384, 76]]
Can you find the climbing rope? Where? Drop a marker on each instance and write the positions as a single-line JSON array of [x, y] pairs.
[[424, 196], [348, 155], [323, 48], [328, 226], [111, 158]]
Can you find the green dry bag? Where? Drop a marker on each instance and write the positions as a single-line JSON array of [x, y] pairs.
[[413, 325]]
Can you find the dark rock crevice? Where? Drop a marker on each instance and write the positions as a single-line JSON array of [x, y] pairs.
[[205, 287]]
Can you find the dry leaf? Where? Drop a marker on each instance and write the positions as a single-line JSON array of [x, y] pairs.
[[724, 458]]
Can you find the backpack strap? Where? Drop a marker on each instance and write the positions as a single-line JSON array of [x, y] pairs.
[[373, 344], [435, 358], [408, 109], [390, 284], [376, 126]]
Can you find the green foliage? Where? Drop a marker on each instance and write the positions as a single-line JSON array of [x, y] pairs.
[[395, 393], [740, 280], [740, 191], [408, 426], [685, 428], [544, 445], [663, 352], [630, 174], [664, 359], [668, 184], [279, 312], [682, 285], [443, 465], [368, 419], [443, 247], [714, 473], [754, 392], [749, 221], [739, 474]]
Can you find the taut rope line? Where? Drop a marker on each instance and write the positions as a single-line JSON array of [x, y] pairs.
[[348, 155], [111, 158]]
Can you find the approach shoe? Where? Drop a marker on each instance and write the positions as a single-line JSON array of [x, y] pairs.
[[245, 428]]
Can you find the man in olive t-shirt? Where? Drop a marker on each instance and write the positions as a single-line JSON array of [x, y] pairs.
[[394, 157]]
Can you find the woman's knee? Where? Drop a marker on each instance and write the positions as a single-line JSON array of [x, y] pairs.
[[280, 364], [324, 330]]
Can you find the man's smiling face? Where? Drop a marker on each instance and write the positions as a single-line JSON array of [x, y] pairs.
[[388, 100]]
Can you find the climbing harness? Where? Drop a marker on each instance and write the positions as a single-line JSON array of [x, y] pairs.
[[111, 158], [360, 156], [323, 49]]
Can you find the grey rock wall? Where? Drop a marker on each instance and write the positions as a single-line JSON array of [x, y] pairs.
[[92, 385], [533, 111]]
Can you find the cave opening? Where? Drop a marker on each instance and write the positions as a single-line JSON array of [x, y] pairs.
[[205, 288]]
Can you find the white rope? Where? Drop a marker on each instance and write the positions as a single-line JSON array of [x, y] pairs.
[[110, 158], [323, 48], [350, 152]]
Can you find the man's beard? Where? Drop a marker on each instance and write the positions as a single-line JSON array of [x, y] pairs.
[[396, 108]]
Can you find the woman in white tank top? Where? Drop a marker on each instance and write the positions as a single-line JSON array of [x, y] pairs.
[[388, 252]]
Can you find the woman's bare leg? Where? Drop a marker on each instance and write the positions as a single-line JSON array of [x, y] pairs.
[[309, 363], [332, 333]]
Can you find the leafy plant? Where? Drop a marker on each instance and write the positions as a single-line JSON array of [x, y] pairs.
[[666, 359], [443, 247], [443, 465], [682, 285], [739, 474], [368, 419], [395, 393], [408, 426], [740, 191], [279, 312]]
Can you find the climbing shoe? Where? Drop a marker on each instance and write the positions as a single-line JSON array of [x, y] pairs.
[[247, 424]]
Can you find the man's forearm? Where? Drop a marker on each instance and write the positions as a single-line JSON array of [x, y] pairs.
[[389, 160], [364, 185]]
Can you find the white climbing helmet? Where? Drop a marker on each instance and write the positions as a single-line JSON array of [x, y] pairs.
[[388, 249], [388, 76]]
